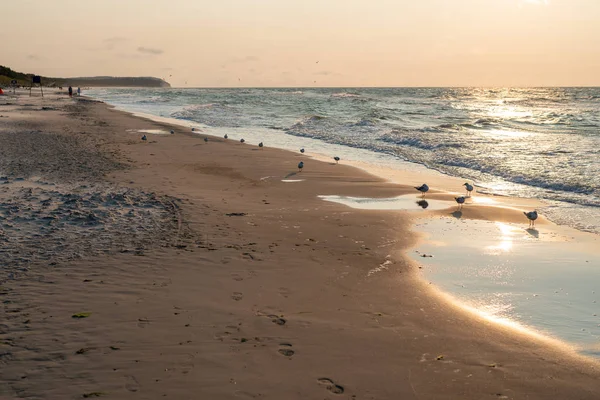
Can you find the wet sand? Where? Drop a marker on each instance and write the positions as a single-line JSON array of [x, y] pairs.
[[178, 268]]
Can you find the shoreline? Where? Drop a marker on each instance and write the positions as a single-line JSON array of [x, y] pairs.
[[493, 207], [414, 174], [332, 318], [379, 165]]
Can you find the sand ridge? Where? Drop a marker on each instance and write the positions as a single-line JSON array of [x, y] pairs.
[[270, 296]]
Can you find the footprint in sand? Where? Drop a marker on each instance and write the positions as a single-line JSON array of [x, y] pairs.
[[237, 296], [143, 322], [277, 320], [236, 277], [285, 292], [331, 385], [230, 329], [132, 383], [285, 350]]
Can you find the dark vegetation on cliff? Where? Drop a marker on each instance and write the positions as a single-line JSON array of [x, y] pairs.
[[7, 75]]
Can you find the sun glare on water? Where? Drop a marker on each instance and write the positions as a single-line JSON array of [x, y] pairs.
[[507, 233]]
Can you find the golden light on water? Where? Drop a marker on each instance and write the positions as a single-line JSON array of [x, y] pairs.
[[498, 313], [507, 233], [504, 133], [503, 246], [506, 229], [483, 200]]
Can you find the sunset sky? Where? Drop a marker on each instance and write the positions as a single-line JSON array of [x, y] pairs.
[[309, 42]]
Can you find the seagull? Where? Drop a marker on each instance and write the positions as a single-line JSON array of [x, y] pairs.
[[302, 151], [260, 145], [531, 216], [337, 159], [460, 200], [300, 166], [423, 189], [172, 132], [144, 137], [469, 188], [242, 140], [206, 140], [225, 136]]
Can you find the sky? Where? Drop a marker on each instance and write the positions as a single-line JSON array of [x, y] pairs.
[[300, 43]]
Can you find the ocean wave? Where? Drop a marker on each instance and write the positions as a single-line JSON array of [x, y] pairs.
[[364, 122], [212, 114], [417, 142], [154, 99], [285, 93], [542, 182], [344, 95], [486, 122], [310, 124]]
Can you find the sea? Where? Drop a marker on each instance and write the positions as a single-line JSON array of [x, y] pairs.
[[541, 143]]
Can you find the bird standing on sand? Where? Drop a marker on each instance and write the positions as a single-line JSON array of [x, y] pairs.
[[260, 145], [193, 129], [531, 216], [144, 137], [469, 188], [423, 189], [172, 132], [205, 140], [242, 140], [337, 159], [460, 200], [225, 136], [300, 166], [302, 151]]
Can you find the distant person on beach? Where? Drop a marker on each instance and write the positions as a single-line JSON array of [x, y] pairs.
[[78, 91], [70, 91]]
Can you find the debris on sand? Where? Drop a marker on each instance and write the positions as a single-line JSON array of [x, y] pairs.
[[236, 214], [81, 315]]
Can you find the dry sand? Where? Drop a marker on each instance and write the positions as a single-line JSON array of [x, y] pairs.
[[203, 276]]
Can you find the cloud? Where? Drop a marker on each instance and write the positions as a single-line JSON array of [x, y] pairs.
[[108, 44], [328, 73], [245, 59], [112, 42], [150, 51], [33, 57]]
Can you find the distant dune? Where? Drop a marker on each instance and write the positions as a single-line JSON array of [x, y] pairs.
[[7, 75]]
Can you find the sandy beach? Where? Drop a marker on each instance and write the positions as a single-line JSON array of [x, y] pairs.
[[182, 268]]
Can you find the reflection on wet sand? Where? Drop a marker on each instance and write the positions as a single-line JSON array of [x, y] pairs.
[[406, 202], [515, 276]]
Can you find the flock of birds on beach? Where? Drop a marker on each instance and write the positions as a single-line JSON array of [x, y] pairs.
[[460, 200], [260, 145], [532, 216]]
